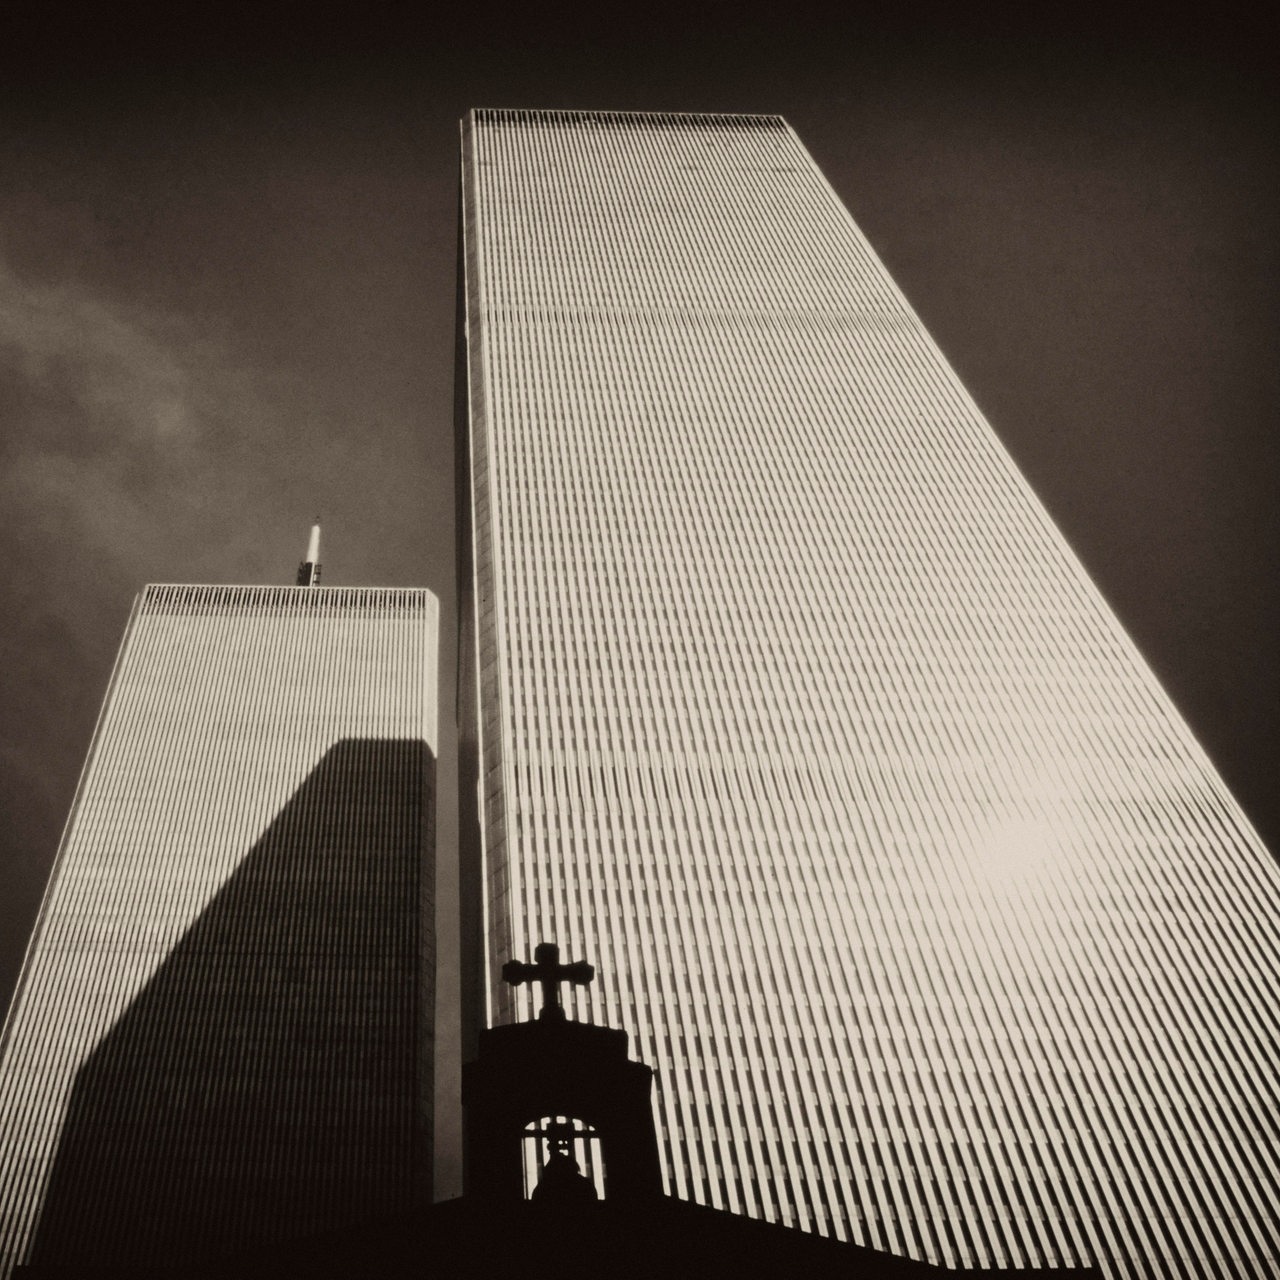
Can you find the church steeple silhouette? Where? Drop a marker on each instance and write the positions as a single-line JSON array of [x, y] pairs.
[[549, 1067]]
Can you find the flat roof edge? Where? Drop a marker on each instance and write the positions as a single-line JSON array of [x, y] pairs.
[[624, 119]]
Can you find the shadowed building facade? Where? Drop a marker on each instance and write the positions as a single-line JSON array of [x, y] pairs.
[[785, 702], [222, 1036]]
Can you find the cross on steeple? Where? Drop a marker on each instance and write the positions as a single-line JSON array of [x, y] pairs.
[[547, 969]]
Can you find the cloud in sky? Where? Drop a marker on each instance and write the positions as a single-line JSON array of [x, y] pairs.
[[123, 426], [117, 370]]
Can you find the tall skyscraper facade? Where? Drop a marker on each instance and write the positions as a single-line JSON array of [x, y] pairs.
[[222, 1035], [789, 708]]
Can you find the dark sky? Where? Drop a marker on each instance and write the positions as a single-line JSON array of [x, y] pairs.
[[226, 304]]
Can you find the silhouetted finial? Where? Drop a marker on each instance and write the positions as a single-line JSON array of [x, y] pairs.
[[309, 569], [547, 969]]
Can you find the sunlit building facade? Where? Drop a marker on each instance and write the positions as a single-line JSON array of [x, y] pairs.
[[786, 705], [223, 1031]]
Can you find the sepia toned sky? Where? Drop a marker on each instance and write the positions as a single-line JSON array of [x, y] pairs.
[[227, 301]]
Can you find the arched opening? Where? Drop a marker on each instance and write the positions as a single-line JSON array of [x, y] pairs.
[[563, 1136]]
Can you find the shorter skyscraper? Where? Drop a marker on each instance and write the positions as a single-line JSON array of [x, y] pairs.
[[222, 1034]]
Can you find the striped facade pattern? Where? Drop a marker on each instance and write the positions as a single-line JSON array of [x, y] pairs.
[[222, 1032], [799, 719]]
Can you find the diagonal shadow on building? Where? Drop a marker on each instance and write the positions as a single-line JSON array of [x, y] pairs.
[[273, 1078]]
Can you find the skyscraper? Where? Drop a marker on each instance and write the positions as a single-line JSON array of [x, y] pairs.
[[787, 705], [223, 1032]]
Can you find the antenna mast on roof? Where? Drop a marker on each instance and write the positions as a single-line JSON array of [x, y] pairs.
[[309, 569]]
